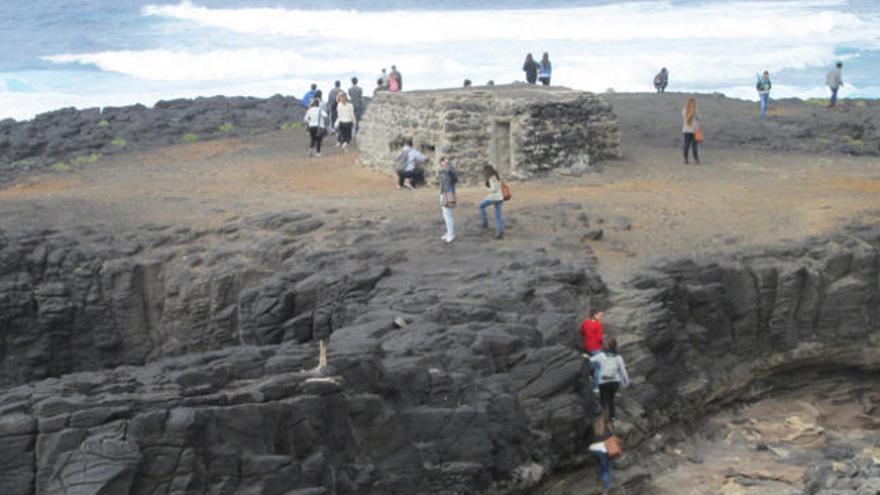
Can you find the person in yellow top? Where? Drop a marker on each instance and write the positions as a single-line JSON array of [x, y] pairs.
[[493, 197]]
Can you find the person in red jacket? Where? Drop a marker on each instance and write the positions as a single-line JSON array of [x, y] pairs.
[[591, 332]]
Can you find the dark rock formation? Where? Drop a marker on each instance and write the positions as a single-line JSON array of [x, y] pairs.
[[73, 136], [176, 366]]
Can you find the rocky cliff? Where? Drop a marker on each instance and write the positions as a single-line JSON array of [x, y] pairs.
[[181, 361]]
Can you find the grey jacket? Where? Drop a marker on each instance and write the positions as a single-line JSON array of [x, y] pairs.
[[448, 179], [611, 368]]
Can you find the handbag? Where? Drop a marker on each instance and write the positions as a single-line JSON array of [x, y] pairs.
[[698, 135], [505, 192], [447, 199], [612, 446]]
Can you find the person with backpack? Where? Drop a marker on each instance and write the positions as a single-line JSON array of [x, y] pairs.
[[834, 80], [763, 86], [316, 121], [530, 67], [546, 70], [661, 80], [690, 127], [612, 376], [448, 179], [408, 165], [494, 197], [601, 432], [306, 100]]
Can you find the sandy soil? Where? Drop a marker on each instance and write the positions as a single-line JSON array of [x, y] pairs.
[[648, 204]]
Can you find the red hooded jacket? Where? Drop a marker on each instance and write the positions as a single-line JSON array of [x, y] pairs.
[[591, 331]]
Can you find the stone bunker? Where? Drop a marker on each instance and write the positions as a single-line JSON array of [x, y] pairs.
[[524, 131]]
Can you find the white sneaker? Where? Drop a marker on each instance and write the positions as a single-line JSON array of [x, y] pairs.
[[444, 237], [344, 145], [318, 155], [450, 239]]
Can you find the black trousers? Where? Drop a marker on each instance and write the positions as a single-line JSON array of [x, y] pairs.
[[690, 140], [316, 135], [345, 129], [415, 177], [606, 397], [545, 81]]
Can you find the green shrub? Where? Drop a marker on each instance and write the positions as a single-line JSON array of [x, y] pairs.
[[27, 162], [119, 143], [190, 138], [59, 167], [86, 159], [226, 128], [819, 102], [104, 123]]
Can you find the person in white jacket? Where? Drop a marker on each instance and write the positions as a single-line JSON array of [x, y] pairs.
[[612, 375], [345, 120], [316, 121], [834, 80], [493, 197]]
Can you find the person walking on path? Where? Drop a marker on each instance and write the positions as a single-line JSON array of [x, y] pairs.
[[612, 375], [495, 198], [593, 338], [345, 121], [763, 86], [332, 103], [834, 80], [530, 67], [409, 166], [306, 101], [356, 95], [661, 80], [448, 179], [689, 127], [602, 432], [546, 70], [395, 74], [316, 121]]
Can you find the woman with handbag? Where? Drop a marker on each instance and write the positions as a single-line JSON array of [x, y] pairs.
[[493, 198], [691, 128], [316, 120], [345, 121], [602, 435], [448, 180]]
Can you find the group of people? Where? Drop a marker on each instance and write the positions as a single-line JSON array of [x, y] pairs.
[[538, 71], [389, 81], [609, 374], [339, 115], [409, 165]]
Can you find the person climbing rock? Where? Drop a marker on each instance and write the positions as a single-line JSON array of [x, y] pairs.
[[591, 333], [601, 432], [612, 376]]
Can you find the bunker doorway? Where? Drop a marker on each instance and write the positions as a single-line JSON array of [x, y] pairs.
[[502, 151]]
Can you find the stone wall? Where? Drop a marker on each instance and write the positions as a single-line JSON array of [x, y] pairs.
[[523, 131]]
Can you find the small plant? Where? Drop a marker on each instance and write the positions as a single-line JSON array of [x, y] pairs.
[[27, 162], [190, 138], [819, 102], [119, 143], [291, 125], [86, 159], [861, 103], [59, 167], [226, 128], [104, 123]]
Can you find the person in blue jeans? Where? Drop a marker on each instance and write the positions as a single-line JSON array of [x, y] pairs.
[[763, 88], [493, 197], [602, 432]]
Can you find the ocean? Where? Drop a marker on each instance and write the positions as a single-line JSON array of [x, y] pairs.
[[95, 53]]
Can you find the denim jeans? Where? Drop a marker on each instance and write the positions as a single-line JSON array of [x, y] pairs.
[[765, 101], [597, 370], [604, 469], [834, 96], [499, 222]]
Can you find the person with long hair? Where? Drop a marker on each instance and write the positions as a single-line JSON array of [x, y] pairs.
[[612, 376], [345, 121], [601, 432], [316, 121], [530, 67], [494, 197], [448, 179], [546, 70], [689, 128]]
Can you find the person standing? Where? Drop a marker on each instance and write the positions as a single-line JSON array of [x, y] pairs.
[[763, 86], [380, 86], [612, 375], [331, 101], [345, 121], [689, 127], [316, 121], [530, 67], [384, 78], [396, 75], [306, 100], [493, 198], [448, 179], [834, 80], [602, 432], [356, 95], [661, 80], [546, 70]]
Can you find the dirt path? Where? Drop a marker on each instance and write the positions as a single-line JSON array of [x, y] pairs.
[[648, 204]]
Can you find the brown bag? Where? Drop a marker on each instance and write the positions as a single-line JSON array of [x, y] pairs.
[[447, 199], [698, 135], [505, 192], [612, 445]]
